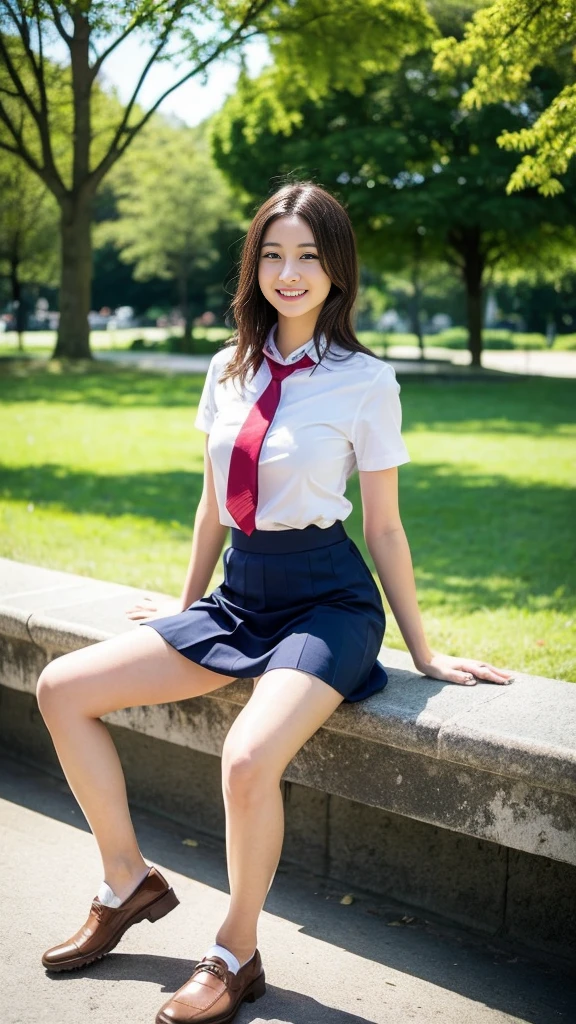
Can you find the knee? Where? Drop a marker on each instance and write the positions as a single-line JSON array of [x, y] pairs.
[[52, 688], [246, 771]]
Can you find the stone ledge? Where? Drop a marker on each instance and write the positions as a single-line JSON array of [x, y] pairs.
[[496, 763]]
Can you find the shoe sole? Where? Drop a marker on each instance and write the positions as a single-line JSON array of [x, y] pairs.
[[254, 991], [153, 912]]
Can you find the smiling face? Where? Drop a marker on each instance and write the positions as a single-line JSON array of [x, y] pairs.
[[290, 274]]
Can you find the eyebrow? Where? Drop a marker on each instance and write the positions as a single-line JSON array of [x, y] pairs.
[[301, 245]]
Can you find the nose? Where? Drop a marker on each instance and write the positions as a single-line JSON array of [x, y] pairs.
[[289, 272]]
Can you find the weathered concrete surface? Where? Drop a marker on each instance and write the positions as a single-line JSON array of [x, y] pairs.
[[325, 963], [476, 883], [464, 774]]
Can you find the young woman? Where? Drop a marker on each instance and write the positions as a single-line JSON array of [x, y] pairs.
[[290, 408]]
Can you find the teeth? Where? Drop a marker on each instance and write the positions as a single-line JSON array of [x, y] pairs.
[[282, 292]]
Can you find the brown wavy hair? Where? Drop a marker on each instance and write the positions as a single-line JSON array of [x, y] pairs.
[[253, 315]]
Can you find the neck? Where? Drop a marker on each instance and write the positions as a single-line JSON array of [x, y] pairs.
[[292, 332]]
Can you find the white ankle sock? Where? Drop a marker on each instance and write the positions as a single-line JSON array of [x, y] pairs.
[[107, 896], [232, 962]]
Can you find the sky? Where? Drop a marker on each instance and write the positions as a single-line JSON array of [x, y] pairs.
[[191, 102]]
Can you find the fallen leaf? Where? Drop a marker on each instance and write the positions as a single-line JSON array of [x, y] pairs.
[[347, 900], [189, 842]]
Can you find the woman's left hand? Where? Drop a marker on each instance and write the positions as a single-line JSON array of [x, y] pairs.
[[466, 671]]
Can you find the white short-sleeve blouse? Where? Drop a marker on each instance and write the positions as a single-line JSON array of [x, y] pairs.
[[342, 415]]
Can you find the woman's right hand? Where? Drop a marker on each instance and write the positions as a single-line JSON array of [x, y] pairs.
[[150, 608]]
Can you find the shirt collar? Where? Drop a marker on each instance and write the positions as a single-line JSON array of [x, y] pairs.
[[308, 348]]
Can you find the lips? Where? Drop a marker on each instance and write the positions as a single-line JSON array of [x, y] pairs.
[[292, 296]]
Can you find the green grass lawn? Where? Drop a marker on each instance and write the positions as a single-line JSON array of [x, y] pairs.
[[102, 471]]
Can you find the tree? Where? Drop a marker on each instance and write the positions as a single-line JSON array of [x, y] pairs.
[[502, 47], [422, 179], [28, 234], [315, 44], [171, 202]]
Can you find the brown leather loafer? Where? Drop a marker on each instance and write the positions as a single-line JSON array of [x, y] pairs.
[[152, 899], [213, 994]]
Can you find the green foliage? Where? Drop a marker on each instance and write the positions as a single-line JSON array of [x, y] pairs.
[[424, 182], [173, 209], [316, 45], [44, 123], [565, 343], [321, 45], [502, 47], [170, 200], [28, 225]]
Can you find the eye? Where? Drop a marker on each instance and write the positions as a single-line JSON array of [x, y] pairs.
[[266, 254], [311, 254]]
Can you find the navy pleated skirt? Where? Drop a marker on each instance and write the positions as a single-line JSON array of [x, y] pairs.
[[302, 599]]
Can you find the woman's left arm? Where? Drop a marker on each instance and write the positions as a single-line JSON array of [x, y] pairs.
[[388, 545]]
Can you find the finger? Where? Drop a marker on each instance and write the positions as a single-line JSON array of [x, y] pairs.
[[500, 671], [483, 670], [489, 674], [464, 678]]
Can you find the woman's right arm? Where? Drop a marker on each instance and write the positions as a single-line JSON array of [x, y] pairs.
[[207, 542]]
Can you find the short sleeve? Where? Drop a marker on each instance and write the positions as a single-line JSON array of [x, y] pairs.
[[206, 406], [376, 430]]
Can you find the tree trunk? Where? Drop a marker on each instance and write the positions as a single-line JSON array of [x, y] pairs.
[[76, 280], [16, 290], [187, 340], [468, 244], [76, 207], [474, 308], [416, 298]]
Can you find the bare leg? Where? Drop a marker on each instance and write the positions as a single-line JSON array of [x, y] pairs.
[[135, 668], [285, 709]]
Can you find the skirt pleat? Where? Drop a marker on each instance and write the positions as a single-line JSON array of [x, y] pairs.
[[302, 599]]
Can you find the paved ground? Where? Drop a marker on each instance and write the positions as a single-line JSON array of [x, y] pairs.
[[540, 363], [326, 963]]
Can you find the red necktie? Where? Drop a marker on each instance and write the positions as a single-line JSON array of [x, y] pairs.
[[242, 492]]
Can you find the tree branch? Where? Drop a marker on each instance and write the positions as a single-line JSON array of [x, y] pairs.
[[524, 22], [59, 23], [18, 83], [119, 145], [9, 149], [49, 172], [44, 122], [256, 8], [115, 150], [21, 148], [137, 23]]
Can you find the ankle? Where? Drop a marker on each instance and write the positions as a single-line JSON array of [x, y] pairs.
[[123, 878], [242, 950]]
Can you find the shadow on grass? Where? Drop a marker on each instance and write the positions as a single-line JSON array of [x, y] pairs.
[[490, 542], [103, 387], [535, 406], [165, 497]]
